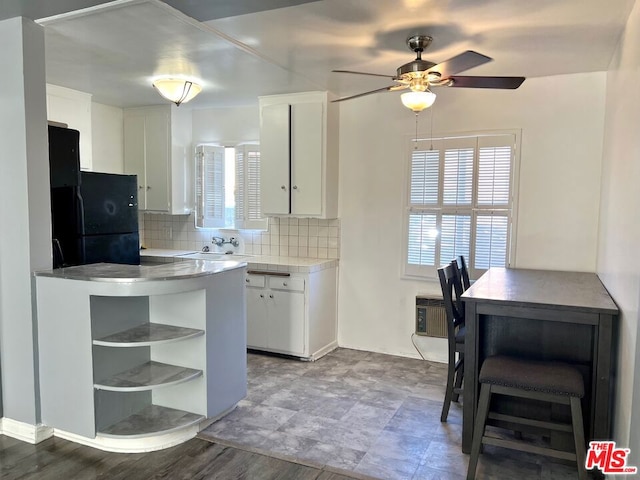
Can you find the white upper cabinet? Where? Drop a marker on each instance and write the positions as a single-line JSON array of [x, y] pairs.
[[157, 143], [299, 155]]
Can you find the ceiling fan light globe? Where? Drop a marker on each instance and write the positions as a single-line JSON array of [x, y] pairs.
[[418, 101], [177, 90]]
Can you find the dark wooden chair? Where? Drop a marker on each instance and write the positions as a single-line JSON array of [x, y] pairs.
[[451, 284], [547, 381], [464, 272]]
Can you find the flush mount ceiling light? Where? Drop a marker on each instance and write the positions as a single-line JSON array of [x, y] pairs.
[[177, 90], [418, 101]]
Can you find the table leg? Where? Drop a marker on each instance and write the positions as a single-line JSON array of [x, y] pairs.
[[601, 403], [470, 392]]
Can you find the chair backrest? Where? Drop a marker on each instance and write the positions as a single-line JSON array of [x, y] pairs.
[[451, 285], [464, 273]]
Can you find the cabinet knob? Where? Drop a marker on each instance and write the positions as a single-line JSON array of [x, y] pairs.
[[271, 296], [247, 280], [295, 187], [261, 296], [140, 187], [284, 284], [148, 187], [283, 187]]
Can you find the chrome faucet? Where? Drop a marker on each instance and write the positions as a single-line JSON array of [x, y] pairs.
[[220, 241]]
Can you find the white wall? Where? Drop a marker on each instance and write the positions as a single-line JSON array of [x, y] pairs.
[[25, 242], [237, 124], [73, 108], [562, 122], [107, 135], [618, 260]]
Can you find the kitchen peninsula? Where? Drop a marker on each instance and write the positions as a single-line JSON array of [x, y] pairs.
[[139, 358]]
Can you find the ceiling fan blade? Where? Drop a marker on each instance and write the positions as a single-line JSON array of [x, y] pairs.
[[460, 63], [385, 89], [487, 82], [363, 73]]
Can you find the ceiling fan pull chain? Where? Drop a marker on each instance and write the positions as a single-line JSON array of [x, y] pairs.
[[431, 135], [415, 146]]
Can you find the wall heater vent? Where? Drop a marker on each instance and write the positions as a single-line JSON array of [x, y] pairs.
[[431, 317]]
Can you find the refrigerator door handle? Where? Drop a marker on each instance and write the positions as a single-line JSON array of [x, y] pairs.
[[58, 256], [80, 226]]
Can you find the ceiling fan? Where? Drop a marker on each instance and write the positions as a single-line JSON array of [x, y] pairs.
[[418, 75]]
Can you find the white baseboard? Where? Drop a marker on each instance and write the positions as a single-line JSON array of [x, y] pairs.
[[323, 351], [132, 445], [36, 433], [24, 431]]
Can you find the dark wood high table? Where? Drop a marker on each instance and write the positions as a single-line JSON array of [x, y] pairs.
[[547, 315]]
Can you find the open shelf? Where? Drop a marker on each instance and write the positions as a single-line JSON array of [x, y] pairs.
[[148, 334], [150, 421], [147, 376]]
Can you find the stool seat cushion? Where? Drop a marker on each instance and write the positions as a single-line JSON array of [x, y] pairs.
[[547, 377]]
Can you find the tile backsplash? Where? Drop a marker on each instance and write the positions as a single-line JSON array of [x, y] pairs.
[[285, 237]]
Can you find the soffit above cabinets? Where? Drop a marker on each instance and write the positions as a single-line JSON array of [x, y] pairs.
[[113, 50]]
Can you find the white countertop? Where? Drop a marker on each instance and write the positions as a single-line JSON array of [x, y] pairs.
[[112, 272], [254, 262]]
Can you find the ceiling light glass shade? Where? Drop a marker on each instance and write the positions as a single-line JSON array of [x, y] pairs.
[[418, 101], [177, 90]]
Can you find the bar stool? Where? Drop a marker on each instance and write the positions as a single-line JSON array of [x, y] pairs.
[[548, 381], [451, 285]]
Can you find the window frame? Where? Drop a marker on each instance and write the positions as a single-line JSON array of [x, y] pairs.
[[243, 223], [411, 271]]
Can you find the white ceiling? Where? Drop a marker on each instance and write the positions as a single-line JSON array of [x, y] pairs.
[[114, 50]]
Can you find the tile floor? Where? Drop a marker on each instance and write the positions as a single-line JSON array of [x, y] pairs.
[[368, 413]]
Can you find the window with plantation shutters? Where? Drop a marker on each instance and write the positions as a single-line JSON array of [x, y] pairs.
[[460, 202], [228, 187]]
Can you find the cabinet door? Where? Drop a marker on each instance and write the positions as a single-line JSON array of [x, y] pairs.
[[274, 159], [285, 311], [157, 139], [256, 318], [134, 154], [306, 158]]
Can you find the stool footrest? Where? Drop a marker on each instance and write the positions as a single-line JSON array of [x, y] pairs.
[[527, 447], [561, 427]]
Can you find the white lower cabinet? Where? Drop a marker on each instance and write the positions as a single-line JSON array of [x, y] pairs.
[[292, 313]]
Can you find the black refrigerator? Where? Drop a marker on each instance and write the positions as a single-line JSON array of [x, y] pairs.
[[94, 215]]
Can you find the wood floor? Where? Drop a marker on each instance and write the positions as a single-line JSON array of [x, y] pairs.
[[58, 459]]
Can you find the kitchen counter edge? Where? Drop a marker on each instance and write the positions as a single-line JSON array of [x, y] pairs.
[[254, 262], [117, 273]]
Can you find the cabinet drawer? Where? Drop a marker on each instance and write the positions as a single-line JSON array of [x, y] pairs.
[[287, 283], [255, 281]]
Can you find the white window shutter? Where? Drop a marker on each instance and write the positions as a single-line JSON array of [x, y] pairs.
[[240, 188], [458, 176], [491, 241], [248, 209], [425, 168], [253, 208], [455, 237], [210, 203], [423, 233]]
